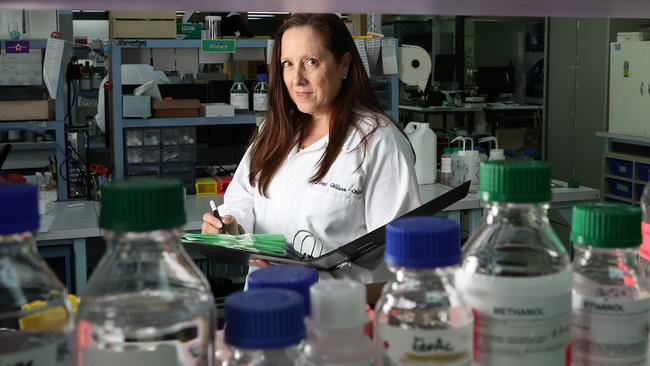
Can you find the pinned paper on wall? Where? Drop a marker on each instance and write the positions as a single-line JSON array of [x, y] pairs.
[[21, 69], [269, 51], [52, 64], [361, 47], [389, 55], [373, 46]]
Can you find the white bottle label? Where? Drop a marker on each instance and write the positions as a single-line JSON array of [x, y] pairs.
[[609, 331], [519, 321], [445, 165], [259, 102], [451, 347], [239, 101]]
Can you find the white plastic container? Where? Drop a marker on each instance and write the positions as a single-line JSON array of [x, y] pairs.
[[496, 153], [337, 320], [424, 142], [459, 164]]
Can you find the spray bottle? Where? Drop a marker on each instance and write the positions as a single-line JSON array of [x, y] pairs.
[[496, 153]]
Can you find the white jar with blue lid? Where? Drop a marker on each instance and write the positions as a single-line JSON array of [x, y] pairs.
[[295, 278], [264, 327], [420, 317]]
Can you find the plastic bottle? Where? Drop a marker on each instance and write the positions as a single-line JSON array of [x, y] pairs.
[[239, 93], [445, 166], [459, 164], [644, 251], [511, 154], [260, 93], [529, 153], [424, 142], [420, 317], [610, 299], [35, 316], [264, 327], [337, 320], [85, 83], [146, 302], [496, 153], [96, 80], [516, 273], [296, 278]]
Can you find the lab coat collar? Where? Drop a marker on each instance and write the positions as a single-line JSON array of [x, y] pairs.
[[365, 123]]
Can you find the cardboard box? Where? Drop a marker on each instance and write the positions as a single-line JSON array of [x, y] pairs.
[[142, 24], [217, 110], [136, 106], [176, 108], [25, 110]]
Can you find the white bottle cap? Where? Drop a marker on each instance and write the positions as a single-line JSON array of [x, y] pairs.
[[338, 304], [471, 153], [212, 17], [497, 154]]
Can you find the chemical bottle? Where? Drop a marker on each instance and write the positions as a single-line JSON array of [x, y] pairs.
[[424, 142], [511, 154], [496, 153], [239, 93], [296, 278], [610, 298], [445, 166], [529, 153], [516, 273], [264, 327], [96, 80], [459, 164], [644, 251], [260, 93], [146, 303], [420, 317], [85, 83], [36, 325], [337, 321]]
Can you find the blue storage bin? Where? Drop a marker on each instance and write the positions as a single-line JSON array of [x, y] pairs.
[[639, 191], [644, 171], [620, 188], [622, 168]]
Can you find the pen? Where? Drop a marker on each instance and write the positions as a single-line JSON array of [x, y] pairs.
[[215, 211]]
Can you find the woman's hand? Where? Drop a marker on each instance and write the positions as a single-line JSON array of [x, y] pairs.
[[259, 263], [212, 225]]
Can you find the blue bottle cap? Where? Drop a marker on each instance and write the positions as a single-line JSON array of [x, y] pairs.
[[422, 242], [295, 278], [510, 152], [19, 208], [267, 318], [530, 151], [261, 77]]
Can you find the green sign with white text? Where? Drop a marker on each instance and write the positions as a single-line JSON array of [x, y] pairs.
[[218, 45]]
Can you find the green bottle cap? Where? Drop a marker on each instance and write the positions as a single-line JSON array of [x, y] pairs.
[[455, 150], [447, 150], [239, 77], [606, 225], [515, 181], [144, 204]]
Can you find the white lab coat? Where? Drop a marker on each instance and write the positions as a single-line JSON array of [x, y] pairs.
[[360, 192]]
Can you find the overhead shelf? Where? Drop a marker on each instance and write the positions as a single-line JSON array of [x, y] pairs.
[[238, 119]]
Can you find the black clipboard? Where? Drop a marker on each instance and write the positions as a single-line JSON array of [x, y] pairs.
[[363, 251]]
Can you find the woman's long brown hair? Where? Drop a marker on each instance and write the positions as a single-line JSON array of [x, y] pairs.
[[284, 122]]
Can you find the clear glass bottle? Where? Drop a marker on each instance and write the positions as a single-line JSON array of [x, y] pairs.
[[296, 278], [260, 93], [445, 166], [36, 325], [85, 83], [146, 303], [336, 336], [610, 299], [644, 251], [516, 273], [420, 317], [239, 93], [264, 327]]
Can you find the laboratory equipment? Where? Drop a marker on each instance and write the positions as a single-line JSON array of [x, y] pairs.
[[424, 142], [496, 153], [36, 325], [239, 93], [445, 166], [287, 277], [260, 93], [213, 24], [495, 80], [420, 316], [338, 316], [264, 327], [146, 300], [610, 298], [516, 274]]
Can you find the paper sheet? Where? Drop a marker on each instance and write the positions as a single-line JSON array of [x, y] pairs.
[[21, 69], [373, 46], [52, 64], [389, 55], [361, 47]]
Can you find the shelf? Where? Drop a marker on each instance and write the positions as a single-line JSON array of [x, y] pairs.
[[626, 138], [625, 179], [30, 125], [633, 158], [33, 43], [45, 145], [238, 119], [183, 43], [622, 199]]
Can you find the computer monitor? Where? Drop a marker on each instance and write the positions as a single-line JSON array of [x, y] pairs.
[[444, 67], [494, 80]]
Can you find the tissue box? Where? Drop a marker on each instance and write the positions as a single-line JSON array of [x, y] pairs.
[[176, 108], [25, 110], [142, 24], [136, 106], [217, 110]]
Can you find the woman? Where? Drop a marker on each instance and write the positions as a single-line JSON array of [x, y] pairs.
[[327, 159]]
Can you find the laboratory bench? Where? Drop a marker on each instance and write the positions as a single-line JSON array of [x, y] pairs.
[[70, 224]]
